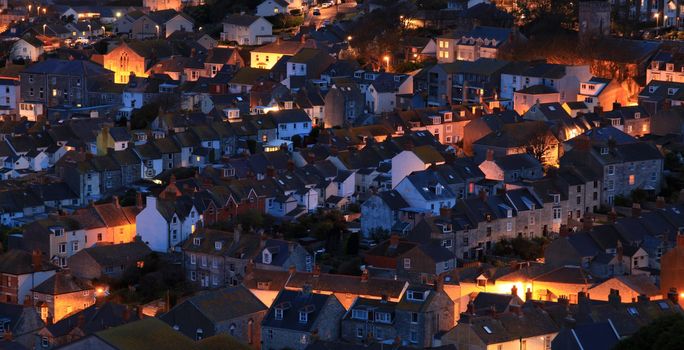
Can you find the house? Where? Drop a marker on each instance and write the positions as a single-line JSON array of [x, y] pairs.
[[21, 322], [107, 260], [659, 95], [21, 271], [234, 311], [415, 159], [56, 82], [369, 319], [214, 258], [511, 168], [518, 138], [62, 294], [86, 322], [28, 48], [381, 211], [134, 58], [9, 97], [297, 317], [246, 30], [167, 221], [266, 56], [598, 335], [633, 120], [308, 63], [622, 166], [344, 103], [472, 82], [504, 330], [481, 42], [290, 123], [426, 190], [602, 93], [525, 98], [271, 8], [160, 24], [422, 313], [277, 254]]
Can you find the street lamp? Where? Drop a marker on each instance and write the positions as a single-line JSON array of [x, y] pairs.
[[657, 17], [349, 38], [104, 30], [44, 26], [387, 61], [157, 26], [665, 21], [90, 30], [38, 11], [29, 8]]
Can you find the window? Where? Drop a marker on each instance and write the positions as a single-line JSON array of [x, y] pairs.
[[415, 295], [383, 317], [62, 247], [74, 246], [610, 185], [44, 342], [360, 314], [99, 237], [407, 263], [193, 259], [414, 336], [303, 317], [218, 245], [204, 261], [556, 213], [199, 334], [509, 226], [631, 179], [359, 332], [611, 170], [487, 329], [278, 314]]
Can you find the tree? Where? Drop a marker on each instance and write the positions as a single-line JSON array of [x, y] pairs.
[[665, 333], [141, 118], [540, 142], [353, 244]]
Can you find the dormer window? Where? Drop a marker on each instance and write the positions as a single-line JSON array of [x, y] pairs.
[[604, 150], [481, 281], [359, 314], [416, 295], [218, 245], [556, 199], [57, 231], [652, 89], [196, 241], [446, 228], [266, 257], [279, 313], [303, 317], [637, 115], [669, 67]]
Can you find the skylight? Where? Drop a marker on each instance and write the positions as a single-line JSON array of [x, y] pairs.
[[486, 329]]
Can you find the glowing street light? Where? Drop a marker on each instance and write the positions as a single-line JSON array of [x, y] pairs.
[[44, 10], [157, 26], [29, 8], [44, 26], [657, 17], [104, 30], [387, 61], [349, 38]]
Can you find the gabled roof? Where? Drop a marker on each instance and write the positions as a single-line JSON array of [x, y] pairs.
[[20, 262], [117, 254], [147, 334], [240, 20], [222, 305], [62, 283], [294, 302]]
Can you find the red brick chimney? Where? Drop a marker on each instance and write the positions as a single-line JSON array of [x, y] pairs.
[[138, 200], [660, 202], [364, 275], [636, 210], [115, 200], [394, 241], [317, 270], [490, 155], [37, 260], [439, 283]]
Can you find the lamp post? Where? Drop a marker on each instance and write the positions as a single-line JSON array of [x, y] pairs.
[[44, 26], [104, 30], [157, 27], [29, 8], [90, 31], [657, 17], [316, 252], [387, 62], [38, 11]]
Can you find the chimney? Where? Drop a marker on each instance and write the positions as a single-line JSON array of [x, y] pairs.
[[614, 297], [364, 275], [528, 295], [292, 269], [303, 39], [139, 200], [514, 290], [126, 313], [680, 239], [249, 268], [563, 300], [445, 213], [28, 301], [598, 109], [439, 283], [394, 241], [636, 210], [587, 222], [81, 320], [490, 155], [660, 202], [612, 215], [48, 320], [290, 165], [470, 308], [642, 298], [482, 194], [115, 201], [7, 336], [37, 260], [262, 240], [616, 105], [516, 309], [270, 171], [673, 296], [236, 233], [317, 270], [139, 310]]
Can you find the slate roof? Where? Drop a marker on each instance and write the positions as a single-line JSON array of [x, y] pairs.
[[293, 302], [20, 262], [94, 319], [117, 254], [223, 304], [66, 67], [289, 116], [62, 283], [147, 334], [240, 20], [592, 336]]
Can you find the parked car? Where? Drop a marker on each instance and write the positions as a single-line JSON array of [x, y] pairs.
[[316, 12], [326, 4]]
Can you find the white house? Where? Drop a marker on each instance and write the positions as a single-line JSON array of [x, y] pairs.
[[166, 222], [246, 29], [564, 79], [416, 159], [9, 95], [27, 48], [180, 22], [346, 184], [291, 122], [426, 190], [271, 8]]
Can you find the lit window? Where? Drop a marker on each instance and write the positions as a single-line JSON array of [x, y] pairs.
[[631, 179]]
